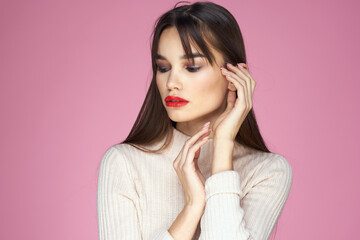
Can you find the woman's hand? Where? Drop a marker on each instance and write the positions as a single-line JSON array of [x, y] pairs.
[[228, 123], [193, 183], [186, 167]]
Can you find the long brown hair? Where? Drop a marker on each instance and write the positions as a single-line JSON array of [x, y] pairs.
[[200, 23]]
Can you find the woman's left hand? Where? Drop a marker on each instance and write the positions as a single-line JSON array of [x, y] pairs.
[[228, 123]]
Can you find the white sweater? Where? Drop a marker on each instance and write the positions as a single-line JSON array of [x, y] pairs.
[[139, 194]]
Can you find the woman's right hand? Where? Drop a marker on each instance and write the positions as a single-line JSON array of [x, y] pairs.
[[186, 167]]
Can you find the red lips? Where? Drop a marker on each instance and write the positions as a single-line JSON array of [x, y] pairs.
[[173, 101], [175, 98]]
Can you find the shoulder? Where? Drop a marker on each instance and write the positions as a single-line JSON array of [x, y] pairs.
[[276, 165], [255, 166], [268, 161], [273, 176], [124, 149], [118, 155], [125, 154], [251, 159], [116, 174]]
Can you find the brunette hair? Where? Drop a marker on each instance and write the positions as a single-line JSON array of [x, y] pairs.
[[200, 24]]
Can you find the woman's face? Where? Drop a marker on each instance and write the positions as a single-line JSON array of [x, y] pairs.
[[201, 84]]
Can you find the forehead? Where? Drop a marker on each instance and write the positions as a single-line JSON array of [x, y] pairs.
[[170, 46], [170, 42]]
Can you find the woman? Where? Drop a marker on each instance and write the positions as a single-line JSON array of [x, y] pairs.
[[194, 165]]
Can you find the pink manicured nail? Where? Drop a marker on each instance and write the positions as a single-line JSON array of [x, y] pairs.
[[205, 138], [206, 125], [206, 128], [240, 65]]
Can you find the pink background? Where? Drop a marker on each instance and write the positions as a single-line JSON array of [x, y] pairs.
[[74, 75]]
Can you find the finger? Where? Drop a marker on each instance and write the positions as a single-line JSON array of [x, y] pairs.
[[241, 68], [193, 149], [244, 68], [249, 89], [239, 73], [236, 77], [189, 142], [197, 154], [198, 172], [241, 89], [178, 159], [197, 169]]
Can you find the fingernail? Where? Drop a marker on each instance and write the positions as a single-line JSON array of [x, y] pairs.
[[240, 65], [206, 125], [205, 138]]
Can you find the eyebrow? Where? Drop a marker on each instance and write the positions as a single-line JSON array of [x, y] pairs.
[[192, 55]]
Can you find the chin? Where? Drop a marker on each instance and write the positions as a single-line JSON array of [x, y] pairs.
[[179, 117]]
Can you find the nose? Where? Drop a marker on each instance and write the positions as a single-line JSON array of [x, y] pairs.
[[173, 81]]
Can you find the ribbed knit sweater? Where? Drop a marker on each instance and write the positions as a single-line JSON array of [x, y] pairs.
[[139, 194]]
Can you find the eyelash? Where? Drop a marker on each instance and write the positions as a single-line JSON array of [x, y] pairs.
[[190, 69]]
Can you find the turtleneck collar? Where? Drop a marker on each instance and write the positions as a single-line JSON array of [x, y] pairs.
[[180, 134], [178, 141]]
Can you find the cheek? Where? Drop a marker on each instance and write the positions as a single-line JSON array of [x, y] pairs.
[[212, 87], [160, 85]]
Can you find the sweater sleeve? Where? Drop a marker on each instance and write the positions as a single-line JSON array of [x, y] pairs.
[[228, 216], [118, 217]]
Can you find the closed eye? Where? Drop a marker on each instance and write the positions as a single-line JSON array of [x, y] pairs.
[[162, 69], [190, 69], [193, 69]]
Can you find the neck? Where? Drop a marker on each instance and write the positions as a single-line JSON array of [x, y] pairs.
[[190, 128]]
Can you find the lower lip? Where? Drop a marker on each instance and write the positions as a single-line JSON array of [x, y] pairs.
[[176, 104]]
